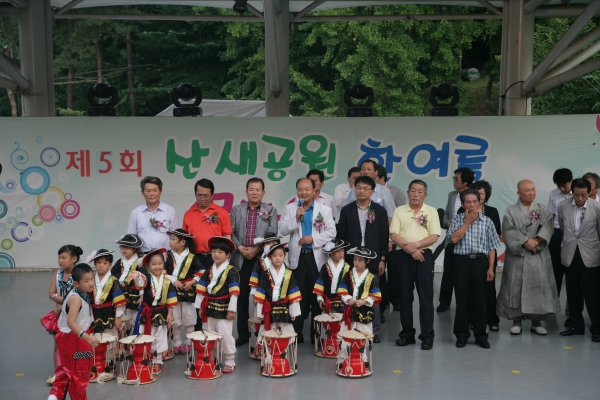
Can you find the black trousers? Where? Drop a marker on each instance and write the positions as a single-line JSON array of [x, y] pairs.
[[207, 262], [420, 275], [554, 248], [583, 281], [394, 278], [305, 275], [446, 286], [470, 287], [243, 301]]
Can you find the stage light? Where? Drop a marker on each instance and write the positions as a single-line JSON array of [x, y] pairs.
[[240, 6], [102, 92], [444, 91], [359, 99], [186, 92]]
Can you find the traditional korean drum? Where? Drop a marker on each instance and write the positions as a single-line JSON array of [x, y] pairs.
[[201, 364], [105, 357], [279, 355], [254, 345], [137, 365], [327, 327], [355, 350]]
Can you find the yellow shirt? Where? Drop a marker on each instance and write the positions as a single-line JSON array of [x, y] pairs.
[[404, 223]]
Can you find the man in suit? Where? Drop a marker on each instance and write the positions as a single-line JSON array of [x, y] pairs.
[[365, 223], [463, 179], [310, 225], [381, 195], [579, 220], [249, 220]]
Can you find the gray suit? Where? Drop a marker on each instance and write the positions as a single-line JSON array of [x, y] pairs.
[[239, 216], [587, 240], [449, 212], [398, 195]]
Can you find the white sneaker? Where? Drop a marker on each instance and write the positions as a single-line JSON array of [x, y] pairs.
[[516, 330], [52, 397], [50, 380], [540, 330]]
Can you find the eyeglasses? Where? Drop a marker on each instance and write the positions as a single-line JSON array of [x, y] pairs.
[[455, 179], [363, 189], [203, 196]]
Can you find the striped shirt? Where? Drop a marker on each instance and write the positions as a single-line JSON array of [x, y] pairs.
[[251, 222], [481, 236]]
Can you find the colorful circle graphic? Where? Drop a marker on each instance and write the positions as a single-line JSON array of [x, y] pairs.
[[53, 197], [7, 244], [63, 177], [35, 232], [6, 261], [3, 208], [36, 220], [50, 157], [59, 218], [21, 232], [47, 213], [9, 186], [68, 196], [70, 209], [43, 186]]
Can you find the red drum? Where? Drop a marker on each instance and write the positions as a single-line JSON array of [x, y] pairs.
[[104, 369], [279, 353], [255, 347], [202, 365], [355, 350], [138, 364], [327, 327]]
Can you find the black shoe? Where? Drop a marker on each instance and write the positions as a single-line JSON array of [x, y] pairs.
[[460, 343], [571, 332], [312, 340], [443, 308], [484, 344], [241, 341], [397, 308], [427, 344], [382, 319], [300, 338], [376, 339], [596, 338], [405, 341]]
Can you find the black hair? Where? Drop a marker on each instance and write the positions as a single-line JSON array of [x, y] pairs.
[[581, 184], [310, 180], [151, 179], [372, 162], [254, 180], [367, 180], [316, 172], [107, 257], [220, 244], [79, 271], [206, 184], [417, 182], [285, 250], [485, 185], [562, 176], [74, 251], [467, 176], [594, 176], [381, 172], [353, 170], [190, 243], [464, 194]]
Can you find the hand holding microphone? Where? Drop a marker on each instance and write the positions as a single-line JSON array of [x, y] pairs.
[[300, 210]]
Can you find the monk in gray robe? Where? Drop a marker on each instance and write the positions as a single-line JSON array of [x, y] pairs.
[[528, 289]]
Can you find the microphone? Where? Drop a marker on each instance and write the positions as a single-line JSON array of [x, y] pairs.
[[301, 201]]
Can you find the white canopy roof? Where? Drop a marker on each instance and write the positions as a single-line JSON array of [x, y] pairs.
[[224, 108]]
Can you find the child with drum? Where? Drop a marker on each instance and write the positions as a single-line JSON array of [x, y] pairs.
[[158, 299], [74, 344], [262, 264], [123, 269], [331, 275], [184, 271], [61, 285], [216, 296]]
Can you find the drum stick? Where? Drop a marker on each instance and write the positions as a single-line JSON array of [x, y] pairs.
[[361, 332], [136, 338]]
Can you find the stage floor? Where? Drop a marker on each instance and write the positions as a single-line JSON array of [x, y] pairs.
[[516, 367]]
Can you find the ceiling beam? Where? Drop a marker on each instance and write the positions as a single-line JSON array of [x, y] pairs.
[[67, 7]]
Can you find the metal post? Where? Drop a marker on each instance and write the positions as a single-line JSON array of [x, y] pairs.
[[573, 62], [277, 72], [519, 60], [35, 40], [503, 57]]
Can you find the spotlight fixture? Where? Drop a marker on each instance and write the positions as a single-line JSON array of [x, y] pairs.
[[444, 91], [186, 92], [108, 95], [240, 6], [359, 99]]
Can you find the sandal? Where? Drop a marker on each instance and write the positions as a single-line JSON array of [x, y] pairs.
[[494, 328], [228, 369]]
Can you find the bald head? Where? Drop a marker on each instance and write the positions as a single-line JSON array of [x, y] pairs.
[[526, 191], [524, 181]]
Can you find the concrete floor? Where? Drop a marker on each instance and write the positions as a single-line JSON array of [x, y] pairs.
[[516, 367]]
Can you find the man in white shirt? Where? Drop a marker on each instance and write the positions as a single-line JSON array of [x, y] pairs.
[[397, 195], [153, 219], [343, 190], [562, 178], [595, 182], [318, 177]]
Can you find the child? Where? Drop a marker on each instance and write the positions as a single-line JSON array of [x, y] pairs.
[[331, 275], [108, 300], [156, 309], [261, 266], [61, 285], [74, 344], [359, 291], [216, 296], [184, 271], [277, 294], [123, 269]]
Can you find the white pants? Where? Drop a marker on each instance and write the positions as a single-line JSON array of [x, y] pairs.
[[162, 344], [343, 354], [184, 314], [225, 328], [133, 314]]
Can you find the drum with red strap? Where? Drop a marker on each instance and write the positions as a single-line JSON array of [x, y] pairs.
[[137, 366], [327, 327], [202, 364], [105, 356], [279, 356], [355, 350]]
